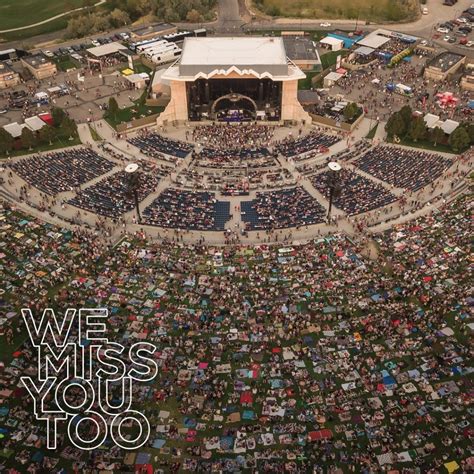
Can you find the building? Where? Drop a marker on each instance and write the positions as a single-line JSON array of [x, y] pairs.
[[8, 77], [443, 66], [39, 66], [233, 79], [302, 51], [158, 29]]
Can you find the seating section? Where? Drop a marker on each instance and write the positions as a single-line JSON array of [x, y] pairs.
[[110, 197], [358, 194], [313, 141], [175, 208], [57, 172], [404, 168], [153, 145], [281, 209]]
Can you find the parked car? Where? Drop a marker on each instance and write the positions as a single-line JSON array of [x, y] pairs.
[[452, 40], [325, 24], [443, 30], [48, 53], [470, 44], [447, 38], [95, 42]]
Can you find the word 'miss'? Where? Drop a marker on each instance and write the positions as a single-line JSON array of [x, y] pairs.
[[76, 361]]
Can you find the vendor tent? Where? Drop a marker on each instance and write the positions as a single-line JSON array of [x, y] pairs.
[[334, 43]]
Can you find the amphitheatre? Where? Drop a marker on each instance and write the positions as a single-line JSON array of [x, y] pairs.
[[305, 283]]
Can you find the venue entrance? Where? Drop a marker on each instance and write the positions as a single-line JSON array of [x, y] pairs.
[[234, 100]]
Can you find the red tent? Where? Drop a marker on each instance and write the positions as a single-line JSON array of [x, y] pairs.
[[46, 117], [246, 398], [321, 434]]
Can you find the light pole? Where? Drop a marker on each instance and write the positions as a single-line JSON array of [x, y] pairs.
[[334, 184], [133, 181]]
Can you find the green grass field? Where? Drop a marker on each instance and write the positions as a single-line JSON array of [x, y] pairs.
[[374, 10], [16, 13]]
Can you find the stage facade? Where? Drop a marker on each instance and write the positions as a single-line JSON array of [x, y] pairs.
[[233, 80]]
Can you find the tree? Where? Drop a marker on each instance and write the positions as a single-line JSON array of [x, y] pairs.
[[470, 131], [69, 127], [418, 129], [119, 17], [395, 126], [350, 111], [28, 139], [459, 139], [58, 116], [193, 16], [407, 115], [6, 141], [47, 134], [113, 108], [436, 135]]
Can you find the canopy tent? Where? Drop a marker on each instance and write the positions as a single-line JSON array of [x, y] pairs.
[[14, 129], [335, 43], [448, 126], [364, 51], [431, 120], [34, 123]]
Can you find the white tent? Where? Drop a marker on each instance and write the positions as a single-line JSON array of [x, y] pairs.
[[431, 120], [332, 78], [34, 123], [449, 126], [335, 43], [14, 129]]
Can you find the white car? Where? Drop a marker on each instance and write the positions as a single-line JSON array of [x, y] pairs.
[[462, 20], [470, 44], [95, 43], [325, 24], [447, 38], [48, 54], [442, 30]]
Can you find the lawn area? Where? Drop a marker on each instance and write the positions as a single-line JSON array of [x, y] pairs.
[[65, 63], [306, 83], [138, 110], [374, 10], [330, 58], [372, 132], [426, 145], [60, 142], [15, 13]]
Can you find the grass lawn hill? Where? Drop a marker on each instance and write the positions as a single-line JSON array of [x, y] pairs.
[[374, 10]]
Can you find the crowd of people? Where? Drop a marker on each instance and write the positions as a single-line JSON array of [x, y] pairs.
[[232, 136], [357, 194], [155, 145], [179, 209], [403, 167], [310, 358], [280, 209], [315, 140], [62, 171], [113, 196]]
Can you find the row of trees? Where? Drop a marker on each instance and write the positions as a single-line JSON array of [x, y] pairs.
[[404, 125], [63, 127], [123, 12]]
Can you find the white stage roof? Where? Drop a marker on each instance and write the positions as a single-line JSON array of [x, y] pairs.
[[258, 54]]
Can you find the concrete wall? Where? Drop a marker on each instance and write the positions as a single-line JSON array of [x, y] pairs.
[[291, 109], [177, 108]]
